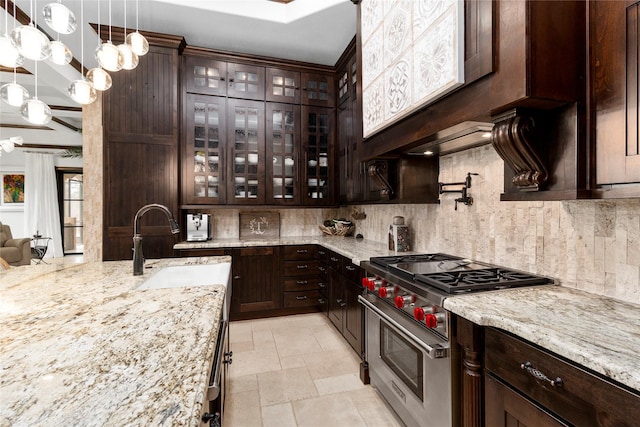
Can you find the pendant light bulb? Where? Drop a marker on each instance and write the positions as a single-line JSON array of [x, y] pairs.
[[109, 56], [36, 112], [59, 18], [9, 55], [139, 44], [82, 91], [130, 59], [31, 42], [14, 94], [60, 53], [100, 79]]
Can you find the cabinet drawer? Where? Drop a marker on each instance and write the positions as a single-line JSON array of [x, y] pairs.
[[351, 271], [297, 252], [583, 399], [301, 299], [300, 268], [334, 261], [301, 283]]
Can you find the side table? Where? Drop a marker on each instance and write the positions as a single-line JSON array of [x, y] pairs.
[[39, 246]]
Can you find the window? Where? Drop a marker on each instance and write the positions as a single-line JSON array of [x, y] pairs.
[[70, 189]]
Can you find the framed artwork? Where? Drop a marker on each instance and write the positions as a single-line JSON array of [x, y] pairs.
[[12, 189]]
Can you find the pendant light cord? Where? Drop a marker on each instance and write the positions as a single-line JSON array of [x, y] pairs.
[[82, 38], [125, 21], [109, 20], [99, 33], [137, 28]]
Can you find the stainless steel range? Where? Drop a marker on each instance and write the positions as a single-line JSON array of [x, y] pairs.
[[412, 357]]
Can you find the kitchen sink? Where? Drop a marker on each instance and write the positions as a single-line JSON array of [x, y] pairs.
[[178, 276]]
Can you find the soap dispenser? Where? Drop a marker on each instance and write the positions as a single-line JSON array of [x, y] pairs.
[[399, 235]]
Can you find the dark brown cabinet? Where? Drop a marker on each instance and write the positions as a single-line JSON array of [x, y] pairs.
[[283, 85], [238, 149], [140, 152], [344, 310], [301, 276], [257, 285], [530, 385], [318, 89], [614, 30], [283, 153]]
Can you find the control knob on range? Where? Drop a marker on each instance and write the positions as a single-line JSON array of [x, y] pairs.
[[402, 300], [387, 291], [434, 319], [420, 312], [373, 283]]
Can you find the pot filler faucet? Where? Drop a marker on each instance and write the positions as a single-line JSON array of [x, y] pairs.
[[138, 258]]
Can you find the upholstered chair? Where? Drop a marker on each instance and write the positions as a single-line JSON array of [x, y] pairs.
[[14, 251]]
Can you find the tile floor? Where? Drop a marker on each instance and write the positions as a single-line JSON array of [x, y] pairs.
[[298, 371]]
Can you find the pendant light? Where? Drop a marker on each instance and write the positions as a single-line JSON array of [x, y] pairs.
[[33, 110], [137, 41], [100, 79], [59, 18], [60, 53], [13, 93], [108, 55], [81, 90], [130, 58], [30, 41], [9, 55]]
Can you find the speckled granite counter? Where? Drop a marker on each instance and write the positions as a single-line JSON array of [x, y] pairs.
[[356, 249], [81, 346], [599, 333]]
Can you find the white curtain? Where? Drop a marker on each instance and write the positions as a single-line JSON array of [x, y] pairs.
[[41, 209]]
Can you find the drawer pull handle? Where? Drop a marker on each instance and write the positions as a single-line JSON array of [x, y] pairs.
[[301, 251], [302, 282], [334, 259], [302, 267], [322, 268], [321, 301], [300, 298], [527, 366], [351, 267], [322, 285]]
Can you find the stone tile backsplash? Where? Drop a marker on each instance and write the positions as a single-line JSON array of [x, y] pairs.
[[593, 245]]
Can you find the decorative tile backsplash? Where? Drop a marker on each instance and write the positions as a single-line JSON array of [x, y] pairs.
[[593, 245], [412, 52]]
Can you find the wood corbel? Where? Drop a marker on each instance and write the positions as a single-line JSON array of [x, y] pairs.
[[514, 139]]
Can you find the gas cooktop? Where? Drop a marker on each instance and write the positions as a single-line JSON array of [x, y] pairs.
[[452, 274]]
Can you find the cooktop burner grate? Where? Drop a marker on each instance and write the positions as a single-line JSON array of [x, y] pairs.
[[412, 258], [477, 280]]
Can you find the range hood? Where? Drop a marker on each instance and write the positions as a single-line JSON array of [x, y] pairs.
[[460, 137]]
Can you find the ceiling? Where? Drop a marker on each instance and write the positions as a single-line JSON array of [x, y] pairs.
[[304, 30]]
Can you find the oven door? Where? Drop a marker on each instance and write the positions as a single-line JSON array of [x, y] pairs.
[[408, 365]]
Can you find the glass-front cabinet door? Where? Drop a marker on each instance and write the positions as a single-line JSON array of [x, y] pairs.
[[203, 159], [317, 89], [245, 81], [283, 86], [317, 137], [205, 76], [282, 148], [247, 157]]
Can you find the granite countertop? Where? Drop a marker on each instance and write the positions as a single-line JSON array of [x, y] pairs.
[[600, 333], [356, 249], [81, 346]]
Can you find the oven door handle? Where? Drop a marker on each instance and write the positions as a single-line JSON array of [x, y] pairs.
[[213, 391], [433, 352]]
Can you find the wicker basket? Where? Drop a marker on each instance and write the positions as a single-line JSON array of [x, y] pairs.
[[338, 230]]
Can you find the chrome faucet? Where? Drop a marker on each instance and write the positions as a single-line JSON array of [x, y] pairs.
[[138, 258]]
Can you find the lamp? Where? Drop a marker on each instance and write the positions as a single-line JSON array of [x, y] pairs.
[[59, 18], [33, 110], [30, 41], [82, 90], [60, 53], [100, 79], [9, 145], [108, 55], [14, 94], [130, 58], [9, 55], [139, 44]]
